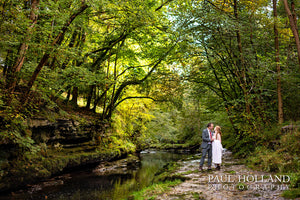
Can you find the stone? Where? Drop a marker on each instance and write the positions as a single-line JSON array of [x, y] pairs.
[[198, 183]]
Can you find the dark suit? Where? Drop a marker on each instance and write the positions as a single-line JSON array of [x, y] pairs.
[[206, 147]]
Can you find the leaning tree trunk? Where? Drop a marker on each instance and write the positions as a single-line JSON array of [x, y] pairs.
[[242, 62], [279, 95], [57, 41], [293, 25], [11, 80], [294, 12], [106, 88]]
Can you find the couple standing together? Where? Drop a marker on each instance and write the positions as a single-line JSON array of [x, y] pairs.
[[211, 145]]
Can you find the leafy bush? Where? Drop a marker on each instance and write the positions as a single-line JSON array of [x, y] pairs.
[[284, 158], [295, 180], [291, 194]]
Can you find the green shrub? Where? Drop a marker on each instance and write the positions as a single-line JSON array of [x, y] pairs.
[[283, 159], [295, 180], [292, 193]]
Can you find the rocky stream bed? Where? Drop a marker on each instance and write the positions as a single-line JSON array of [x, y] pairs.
[[233, 182]]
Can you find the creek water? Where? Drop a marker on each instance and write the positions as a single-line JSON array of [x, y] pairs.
[[86, 184]]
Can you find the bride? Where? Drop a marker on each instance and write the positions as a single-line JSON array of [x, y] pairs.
[[217, 148]]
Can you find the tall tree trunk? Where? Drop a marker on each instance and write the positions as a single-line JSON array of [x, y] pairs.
[[90, 96], [293, 25], [68, 95], [111, 105], [12, 76], [294, 13], [115, 80], [242, 60], [279, 95], [97, 100], [106, 89], [57, 41], [75, 96]]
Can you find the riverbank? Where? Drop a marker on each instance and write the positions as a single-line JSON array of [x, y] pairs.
[[177, 177], [180, 148], [208, 184], [109, 180], [39, 148], [24, 173]]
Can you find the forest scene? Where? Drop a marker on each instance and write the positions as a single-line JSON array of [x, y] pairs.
[[84, 82]]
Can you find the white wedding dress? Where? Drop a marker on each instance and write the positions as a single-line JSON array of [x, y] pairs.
[[217, 150]]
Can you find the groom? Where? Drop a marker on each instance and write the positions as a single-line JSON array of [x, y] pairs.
[[207, 139]]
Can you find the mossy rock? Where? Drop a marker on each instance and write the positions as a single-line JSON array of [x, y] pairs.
[[39, 167], [167, 173], [168, 168]]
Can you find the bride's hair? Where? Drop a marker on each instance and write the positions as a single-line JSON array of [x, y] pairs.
[[218, 128]]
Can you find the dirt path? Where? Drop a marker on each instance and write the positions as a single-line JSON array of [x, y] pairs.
[[209, 185]]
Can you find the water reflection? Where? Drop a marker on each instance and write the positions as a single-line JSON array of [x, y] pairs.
[[88, 185]]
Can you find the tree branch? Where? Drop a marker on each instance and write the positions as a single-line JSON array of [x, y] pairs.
[[138, 81], [162, 5], [110, 44], [131, 67], [133, 98], [57, 41]]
